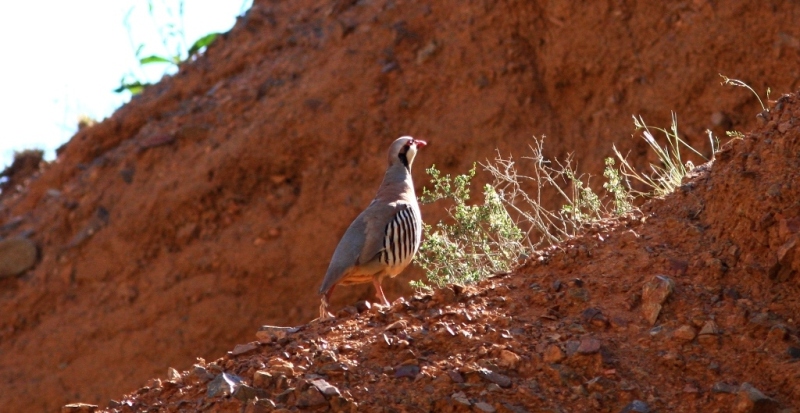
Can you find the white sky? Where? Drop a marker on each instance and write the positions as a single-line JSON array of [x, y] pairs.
[[62, 59]]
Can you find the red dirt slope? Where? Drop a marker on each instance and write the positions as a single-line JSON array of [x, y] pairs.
[[211, 203], [571, 330]]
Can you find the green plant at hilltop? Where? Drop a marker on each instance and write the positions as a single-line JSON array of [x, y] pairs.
[[168, 18]]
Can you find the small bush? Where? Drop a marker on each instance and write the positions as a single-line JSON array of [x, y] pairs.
[[482, 240]]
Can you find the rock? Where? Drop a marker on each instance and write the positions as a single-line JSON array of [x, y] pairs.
[[174, 375], [263, 379], [397, 325], [496, 378], [260, 406], [650, 311], [17, 255], [79, 408], [245, 393], [594, 317], [794, 352], [788, 263], [267, 334], [311, 397], [408, 370], [485, 407], [636, 406], [455, 376], [553, 354], [461, 398], [244, 348], [684, 332], [509, 359], [589, 345], [325, 388], [201, 373], [654, 293], [223, 385], [722, 387], [709, 328], [363, 306], [751, 400]]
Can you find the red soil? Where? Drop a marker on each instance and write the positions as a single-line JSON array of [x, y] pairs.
[[211, 203]]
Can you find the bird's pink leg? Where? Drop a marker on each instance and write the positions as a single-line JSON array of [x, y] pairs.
[[324, 304], [379, 291]]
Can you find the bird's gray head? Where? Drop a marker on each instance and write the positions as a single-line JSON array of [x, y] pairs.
[[403, 151]]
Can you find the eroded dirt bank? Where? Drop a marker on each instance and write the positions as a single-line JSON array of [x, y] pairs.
[[210, 204]]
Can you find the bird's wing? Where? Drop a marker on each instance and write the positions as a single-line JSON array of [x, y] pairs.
[[346, 254], [376, 217]]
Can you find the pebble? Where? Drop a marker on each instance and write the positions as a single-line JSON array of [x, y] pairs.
[[325, 388], [722, 387], [553, 354], [654, 293], [751, 400], [509, 359], [461, 398], [310, 398], [17, 255], [244, 348], [223, 385], [408, 370], [636, 406], [455, 376], [684, 332], [485, 407], [496, 378], [589, 345], [79, 408], [262, 379], [244, 393], [709, 328], [794, 352], [267, 334], [174, 375]]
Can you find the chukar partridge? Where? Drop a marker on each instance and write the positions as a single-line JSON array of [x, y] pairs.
[[383, 239]]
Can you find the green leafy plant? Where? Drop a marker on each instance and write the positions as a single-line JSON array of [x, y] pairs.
[[513, 220], [168, 18], [482, 239]]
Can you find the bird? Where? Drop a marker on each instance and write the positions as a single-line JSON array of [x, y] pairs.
[[384, 238]]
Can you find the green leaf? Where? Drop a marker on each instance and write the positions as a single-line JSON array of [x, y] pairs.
[[155, 59], [134, 87], [202, 42]]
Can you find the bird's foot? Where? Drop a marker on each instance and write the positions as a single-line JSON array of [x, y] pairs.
[[324, 314]]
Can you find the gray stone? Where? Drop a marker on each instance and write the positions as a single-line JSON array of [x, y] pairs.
[[325, 388], [496, 378], [485, 407], [751, 400], [636, 406], [310, 398], [267, 334], [245, 393], [17, 255], [408, 370], [240, 349], [223, 385]]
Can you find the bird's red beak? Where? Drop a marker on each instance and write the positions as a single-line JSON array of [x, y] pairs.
[[419, 143]]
